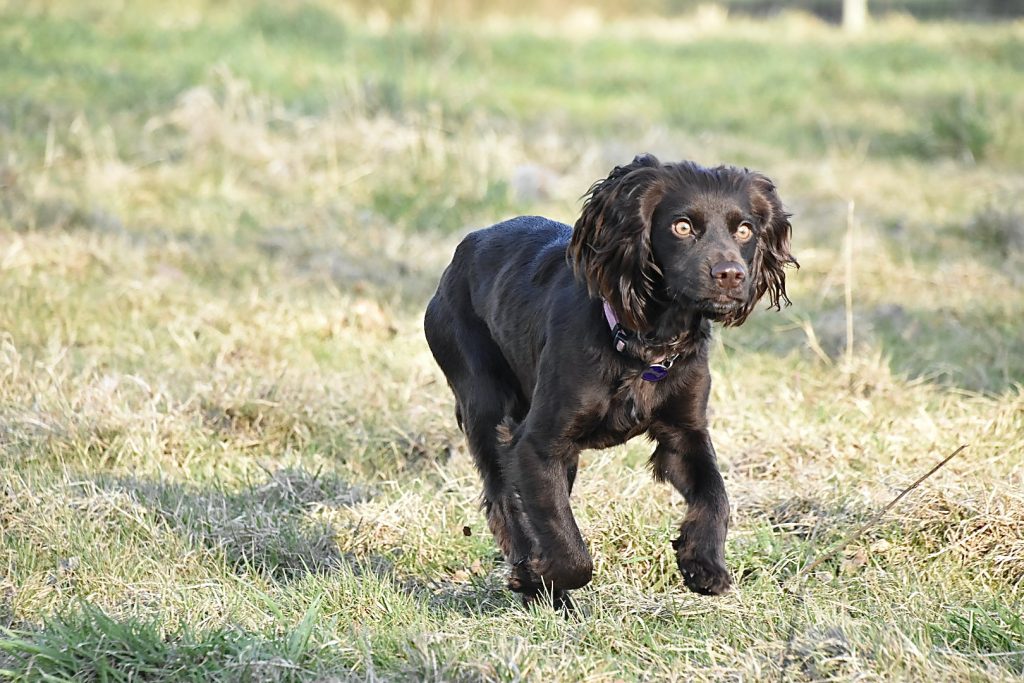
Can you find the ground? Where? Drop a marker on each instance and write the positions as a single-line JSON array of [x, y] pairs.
[[227, 453]]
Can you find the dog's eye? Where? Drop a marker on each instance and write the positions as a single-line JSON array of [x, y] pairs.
[[744, 232], [682, 228]]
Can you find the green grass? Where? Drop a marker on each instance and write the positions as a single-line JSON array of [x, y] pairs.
[[227, 453]]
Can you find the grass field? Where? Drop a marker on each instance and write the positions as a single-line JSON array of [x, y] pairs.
[[227, 453]]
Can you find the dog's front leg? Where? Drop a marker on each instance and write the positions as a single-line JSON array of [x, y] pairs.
[[540, 466], [685, 458]]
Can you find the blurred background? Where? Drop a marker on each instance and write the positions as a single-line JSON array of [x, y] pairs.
[[830, 10], [220, 221], [352, 143]]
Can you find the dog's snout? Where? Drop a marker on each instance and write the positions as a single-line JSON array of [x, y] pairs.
[[728, 274]]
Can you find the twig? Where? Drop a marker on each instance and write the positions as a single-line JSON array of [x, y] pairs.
[[850, 537], [848, 284], [838, 547]]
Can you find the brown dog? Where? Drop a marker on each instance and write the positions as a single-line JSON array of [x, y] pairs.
[[554, 340]]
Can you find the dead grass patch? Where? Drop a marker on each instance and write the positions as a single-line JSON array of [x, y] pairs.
[[982, 528]]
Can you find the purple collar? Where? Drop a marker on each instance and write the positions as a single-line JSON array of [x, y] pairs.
[[618, 332], [658, 368]]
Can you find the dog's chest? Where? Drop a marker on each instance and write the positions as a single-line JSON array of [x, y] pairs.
[[626, 413]]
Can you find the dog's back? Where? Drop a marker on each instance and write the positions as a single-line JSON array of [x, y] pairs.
[[497, 281]]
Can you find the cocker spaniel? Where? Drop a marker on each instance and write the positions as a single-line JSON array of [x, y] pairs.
[[556, 339]]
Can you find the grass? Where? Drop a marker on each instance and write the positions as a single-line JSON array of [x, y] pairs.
[[227, 453]]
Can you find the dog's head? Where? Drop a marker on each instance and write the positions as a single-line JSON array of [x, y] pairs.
[[652, 234]]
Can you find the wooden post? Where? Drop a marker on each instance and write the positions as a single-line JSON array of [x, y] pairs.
[[855, 15]]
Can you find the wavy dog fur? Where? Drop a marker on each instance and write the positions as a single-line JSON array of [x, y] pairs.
[[610, 249], [518, 328]]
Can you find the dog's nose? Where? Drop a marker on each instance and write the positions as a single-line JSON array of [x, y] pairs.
[[728, 274]]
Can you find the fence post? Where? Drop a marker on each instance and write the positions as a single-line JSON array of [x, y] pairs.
[[855, 15]]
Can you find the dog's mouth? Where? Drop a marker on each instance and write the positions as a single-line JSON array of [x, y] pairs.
[[716, 307], [720, 306]]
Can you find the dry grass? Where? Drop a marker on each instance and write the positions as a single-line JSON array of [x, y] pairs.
[[228, 454]]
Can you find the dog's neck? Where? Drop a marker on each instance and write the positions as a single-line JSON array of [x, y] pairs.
[[676, 327], [675, 331]]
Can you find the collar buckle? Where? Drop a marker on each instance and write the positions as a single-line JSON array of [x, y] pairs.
[[619, 337], [657, 370]]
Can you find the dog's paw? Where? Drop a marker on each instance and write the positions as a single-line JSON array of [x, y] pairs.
[[523, 579], [539, 570], [701, 565]]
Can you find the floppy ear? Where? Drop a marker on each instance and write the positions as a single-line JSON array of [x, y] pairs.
[[611, 242], [772, 255]]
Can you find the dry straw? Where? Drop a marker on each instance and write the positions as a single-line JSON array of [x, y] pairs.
[[836, 548]]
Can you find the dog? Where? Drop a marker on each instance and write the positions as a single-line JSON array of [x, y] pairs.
[[555, 340]]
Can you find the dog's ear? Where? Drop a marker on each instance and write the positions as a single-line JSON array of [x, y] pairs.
[[611, 242], [772, 255]]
